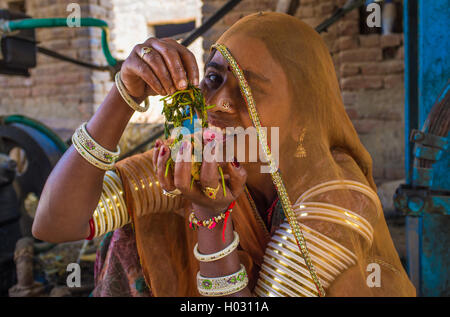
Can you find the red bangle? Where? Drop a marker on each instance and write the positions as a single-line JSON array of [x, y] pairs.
[[92, 227]]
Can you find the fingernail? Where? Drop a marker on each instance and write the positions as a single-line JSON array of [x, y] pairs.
[[196, 83], [163, 151], [181, 148], [182, 84], [235, 163], [157, 143], [209, 135]]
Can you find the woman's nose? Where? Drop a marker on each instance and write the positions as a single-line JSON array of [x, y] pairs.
[[219, 97]]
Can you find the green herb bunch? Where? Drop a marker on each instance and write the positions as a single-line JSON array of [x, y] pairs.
[[179, 107]]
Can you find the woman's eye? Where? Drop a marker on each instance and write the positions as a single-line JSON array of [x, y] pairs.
[[214, 78]]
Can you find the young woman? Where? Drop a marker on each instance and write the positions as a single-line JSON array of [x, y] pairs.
[[267, 70]]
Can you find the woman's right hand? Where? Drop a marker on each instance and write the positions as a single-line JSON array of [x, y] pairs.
[[168, 67]]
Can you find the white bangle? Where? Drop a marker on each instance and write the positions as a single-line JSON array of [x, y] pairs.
[[223, 285], [218, 255], [94, 148], [89, 157]]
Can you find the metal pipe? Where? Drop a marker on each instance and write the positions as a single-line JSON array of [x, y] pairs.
[[210, 22]]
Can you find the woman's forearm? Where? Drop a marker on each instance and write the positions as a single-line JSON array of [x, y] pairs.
[[210, 241], [72, 190]]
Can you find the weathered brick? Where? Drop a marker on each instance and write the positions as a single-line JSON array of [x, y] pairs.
[[346, 43], [365, 126], [391, 81], [390, 40], [19, 92], [351, 112], [325, 8], [349, 97], [400, 53], [384, 67], [370, 40], [362, 82], [305, 12], [348, 27], [361, 55], [348, 69], [58, 44]]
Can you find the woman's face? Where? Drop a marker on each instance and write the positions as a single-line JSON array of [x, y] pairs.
[[266, 78]]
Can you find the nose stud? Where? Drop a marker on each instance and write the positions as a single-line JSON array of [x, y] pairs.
[[226, 106]]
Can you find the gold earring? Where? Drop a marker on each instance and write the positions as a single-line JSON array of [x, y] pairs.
[[301, 151]]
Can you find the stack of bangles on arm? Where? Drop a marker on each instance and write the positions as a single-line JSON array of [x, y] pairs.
[[111, 212], [222, 285]]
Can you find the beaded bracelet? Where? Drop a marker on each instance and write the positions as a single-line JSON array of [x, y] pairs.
[[126, 96], [89, 157], [218, 255], [212, 222], [224, 285], [94, 148]]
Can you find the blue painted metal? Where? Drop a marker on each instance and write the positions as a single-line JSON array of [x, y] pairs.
[[427, 70]]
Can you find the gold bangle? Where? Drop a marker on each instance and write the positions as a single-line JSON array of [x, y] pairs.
[[90, 158], [110, 177], [94, 148], [128, 99], [114, 210]]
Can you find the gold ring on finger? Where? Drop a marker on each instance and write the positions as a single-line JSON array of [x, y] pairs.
[[211, 192], [171, 193], [145, 50]]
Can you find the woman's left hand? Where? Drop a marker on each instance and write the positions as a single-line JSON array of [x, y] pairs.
[[180, 178]]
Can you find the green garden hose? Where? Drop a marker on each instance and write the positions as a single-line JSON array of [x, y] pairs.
[[10, 26]]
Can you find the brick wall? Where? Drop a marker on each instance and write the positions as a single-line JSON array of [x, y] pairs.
[[133, 21], [370, 72], [58, 93], [242, 9], [369, 67], [62, 95]]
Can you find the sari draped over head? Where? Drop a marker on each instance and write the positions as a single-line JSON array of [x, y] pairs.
[[322, 159]]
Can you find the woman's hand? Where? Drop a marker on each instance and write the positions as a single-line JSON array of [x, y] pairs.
[[168, 67], [180, 178]]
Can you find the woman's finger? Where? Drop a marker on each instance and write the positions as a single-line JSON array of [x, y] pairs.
[[144, 72], [188, 59], [182, 173], [209, 174], [238, 177], [172, 61], [155, 61], [166, 181], [158, 143]]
